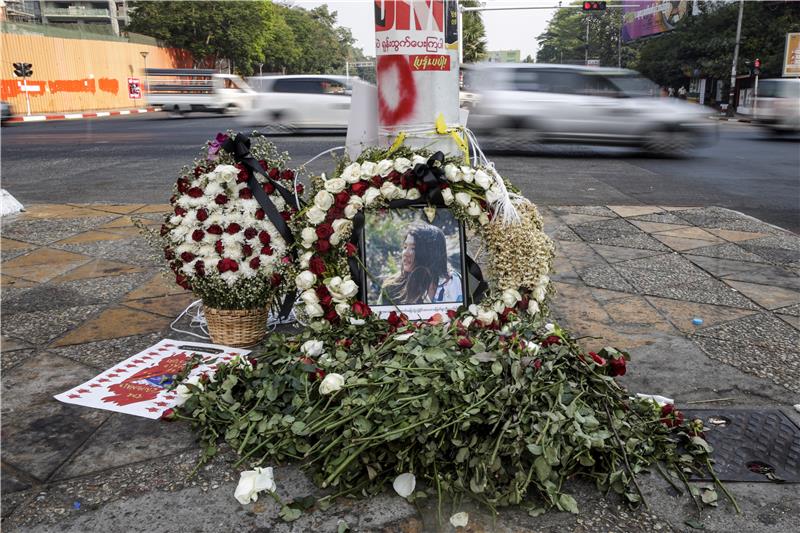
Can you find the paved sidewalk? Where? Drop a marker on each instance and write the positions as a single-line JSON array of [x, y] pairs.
[[80, 115], [81, 291]]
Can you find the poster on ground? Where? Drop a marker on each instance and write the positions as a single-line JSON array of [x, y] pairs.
[[651, 17], [139, 385]]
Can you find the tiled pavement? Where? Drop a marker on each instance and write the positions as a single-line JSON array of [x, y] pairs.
[[81, 290]]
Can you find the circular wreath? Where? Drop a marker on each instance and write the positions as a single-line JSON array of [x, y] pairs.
[[519, 254], [218, 240]]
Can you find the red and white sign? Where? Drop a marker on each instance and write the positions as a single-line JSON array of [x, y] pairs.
[[417, 62], [134, 89], [138, 385]]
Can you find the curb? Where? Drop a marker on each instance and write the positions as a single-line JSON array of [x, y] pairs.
[[76, 116]]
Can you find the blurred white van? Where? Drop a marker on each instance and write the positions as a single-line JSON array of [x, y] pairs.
[[777, 105]]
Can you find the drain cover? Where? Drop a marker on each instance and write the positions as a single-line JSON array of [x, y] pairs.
[[752, 445]]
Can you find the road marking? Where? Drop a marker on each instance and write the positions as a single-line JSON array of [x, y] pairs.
[[103, 114], [73, 116], [124, 112]]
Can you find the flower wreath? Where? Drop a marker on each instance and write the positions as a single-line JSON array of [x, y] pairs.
[[327, 230], [219, 240]]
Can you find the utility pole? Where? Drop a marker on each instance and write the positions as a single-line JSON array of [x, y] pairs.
[[732, 93], [146, 79], [586, 59]]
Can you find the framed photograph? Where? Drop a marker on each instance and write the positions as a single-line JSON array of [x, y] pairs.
[[415, 261]]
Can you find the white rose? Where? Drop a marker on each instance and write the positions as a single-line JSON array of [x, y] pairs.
[[312, 348], [309, 297], [467, 174], [467, 321], [389, 190], [463, 199], [342, 226], [498, 306], [334, 283], [384, 167], [308, 235], [539, 293], [474, 209], [483, 219], [493, 194], [404, 484], [447, 196], [544, 281], [532, 347], [368, 169], [332, 383], [418, 160], [348, 289], [184, 392], [486, 316], [305, 258], [350, 210], [370, 196], [511, 297], [335, 185], [357, 321], [550, 327], [533, 307], [352, 173], [314, 310], [335, 239], [342, 309], [251, 482], [323, 200], [459, 519], [305, 280], [356, 201], [315, 215], [401, 164], [413, 194], [483, 179]]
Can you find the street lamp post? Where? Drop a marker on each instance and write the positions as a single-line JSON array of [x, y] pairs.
[[732, 93], [146, 80]]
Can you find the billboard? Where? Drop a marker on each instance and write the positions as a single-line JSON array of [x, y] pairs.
[[651, 17], [791, 58]]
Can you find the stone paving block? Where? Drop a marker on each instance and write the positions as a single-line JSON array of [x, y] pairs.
[[127, 231], [793, 321], [721, 267], [768, 275], [679, 244], [726, 219], [656, 282], [8, 344], [12, 487], [762, 329], [577, 251], [774, 254], [707, 291], [12, 358], [45, 256], [563, 233], [124, 440], [765, 295], [655, 227], [691, 233], [11, 244], [635, 315], [661, 218], [573, 219], [577, 303], [97, 268], [634, 210], [112, 323], [157, 286], [671, 262], [615, 254], [681, 314], [10, 282], [155, 208], [169, 306], [57, 211], [605, 277], [38, 327], [47, 231], [102, 355], [134, 251], [120, 209], [793, 310], [735, 236], [728, 251], [599, 211], [91, 236], [638, 240]]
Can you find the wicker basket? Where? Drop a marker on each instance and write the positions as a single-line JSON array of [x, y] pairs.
[[236, 327]]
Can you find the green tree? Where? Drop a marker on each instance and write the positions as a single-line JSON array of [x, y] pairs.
[[474, 33], [321, 46], [209, 30]]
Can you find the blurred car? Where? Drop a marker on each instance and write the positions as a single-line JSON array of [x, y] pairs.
[[777, 106], [299, 102], [539, 103], [6, 111]]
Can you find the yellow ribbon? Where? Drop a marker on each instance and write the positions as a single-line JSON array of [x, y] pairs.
[[455, 133], [398, 142]]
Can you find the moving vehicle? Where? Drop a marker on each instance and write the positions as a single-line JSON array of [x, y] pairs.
[[540, 103], [777, 106], [185, 90], [5, 111], [299, 102]]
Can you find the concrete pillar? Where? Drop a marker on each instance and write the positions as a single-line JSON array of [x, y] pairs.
[[416, 43]]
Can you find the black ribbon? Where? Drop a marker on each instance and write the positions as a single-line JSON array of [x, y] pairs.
[[239, 147], [429, 177]]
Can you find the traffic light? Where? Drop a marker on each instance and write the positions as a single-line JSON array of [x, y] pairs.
[[757, 67], [593, 6], [23, 70]]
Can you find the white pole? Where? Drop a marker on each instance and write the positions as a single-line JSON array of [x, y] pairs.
[[27, 94], [755, 98], [460, 34]]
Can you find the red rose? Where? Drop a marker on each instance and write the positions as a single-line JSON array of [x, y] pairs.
[[221, 199], [227, 264], [617, 366], [181, 280], [276, 279], [233, 229], [169, 253], [331, 315], [260, 214], [350, 249], [198, 171], [396, 319], [187, 257], [274, 173], [264, 237], [263, 164], [198, 234], [242, 176], [316, 265], [247, 250], [322, 291], [183, 185], [287, 175], [324, 230], [286, 215], [537, 364], [522, 305], [597, 359], [245, 194], [164, 230], [250, 233], [202, 214], [465, 342], [219, 247], [344, 343], [195, 192], [670, 416], [299, 188], [322, 246], [179, 211], [552, 339], [377, 181], [268, 188], [200, 268], [359, 188], [341, 199], [266, 250], [215, 229], [326, 301], [168, 415], [361, 309], [255, 263]]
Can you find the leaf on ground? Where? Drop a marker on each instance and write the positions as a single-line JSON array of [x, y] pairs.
[[694, 524]]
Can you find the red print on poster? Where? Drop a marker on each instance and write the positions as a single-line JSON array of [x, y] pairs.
[[407, 89]]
